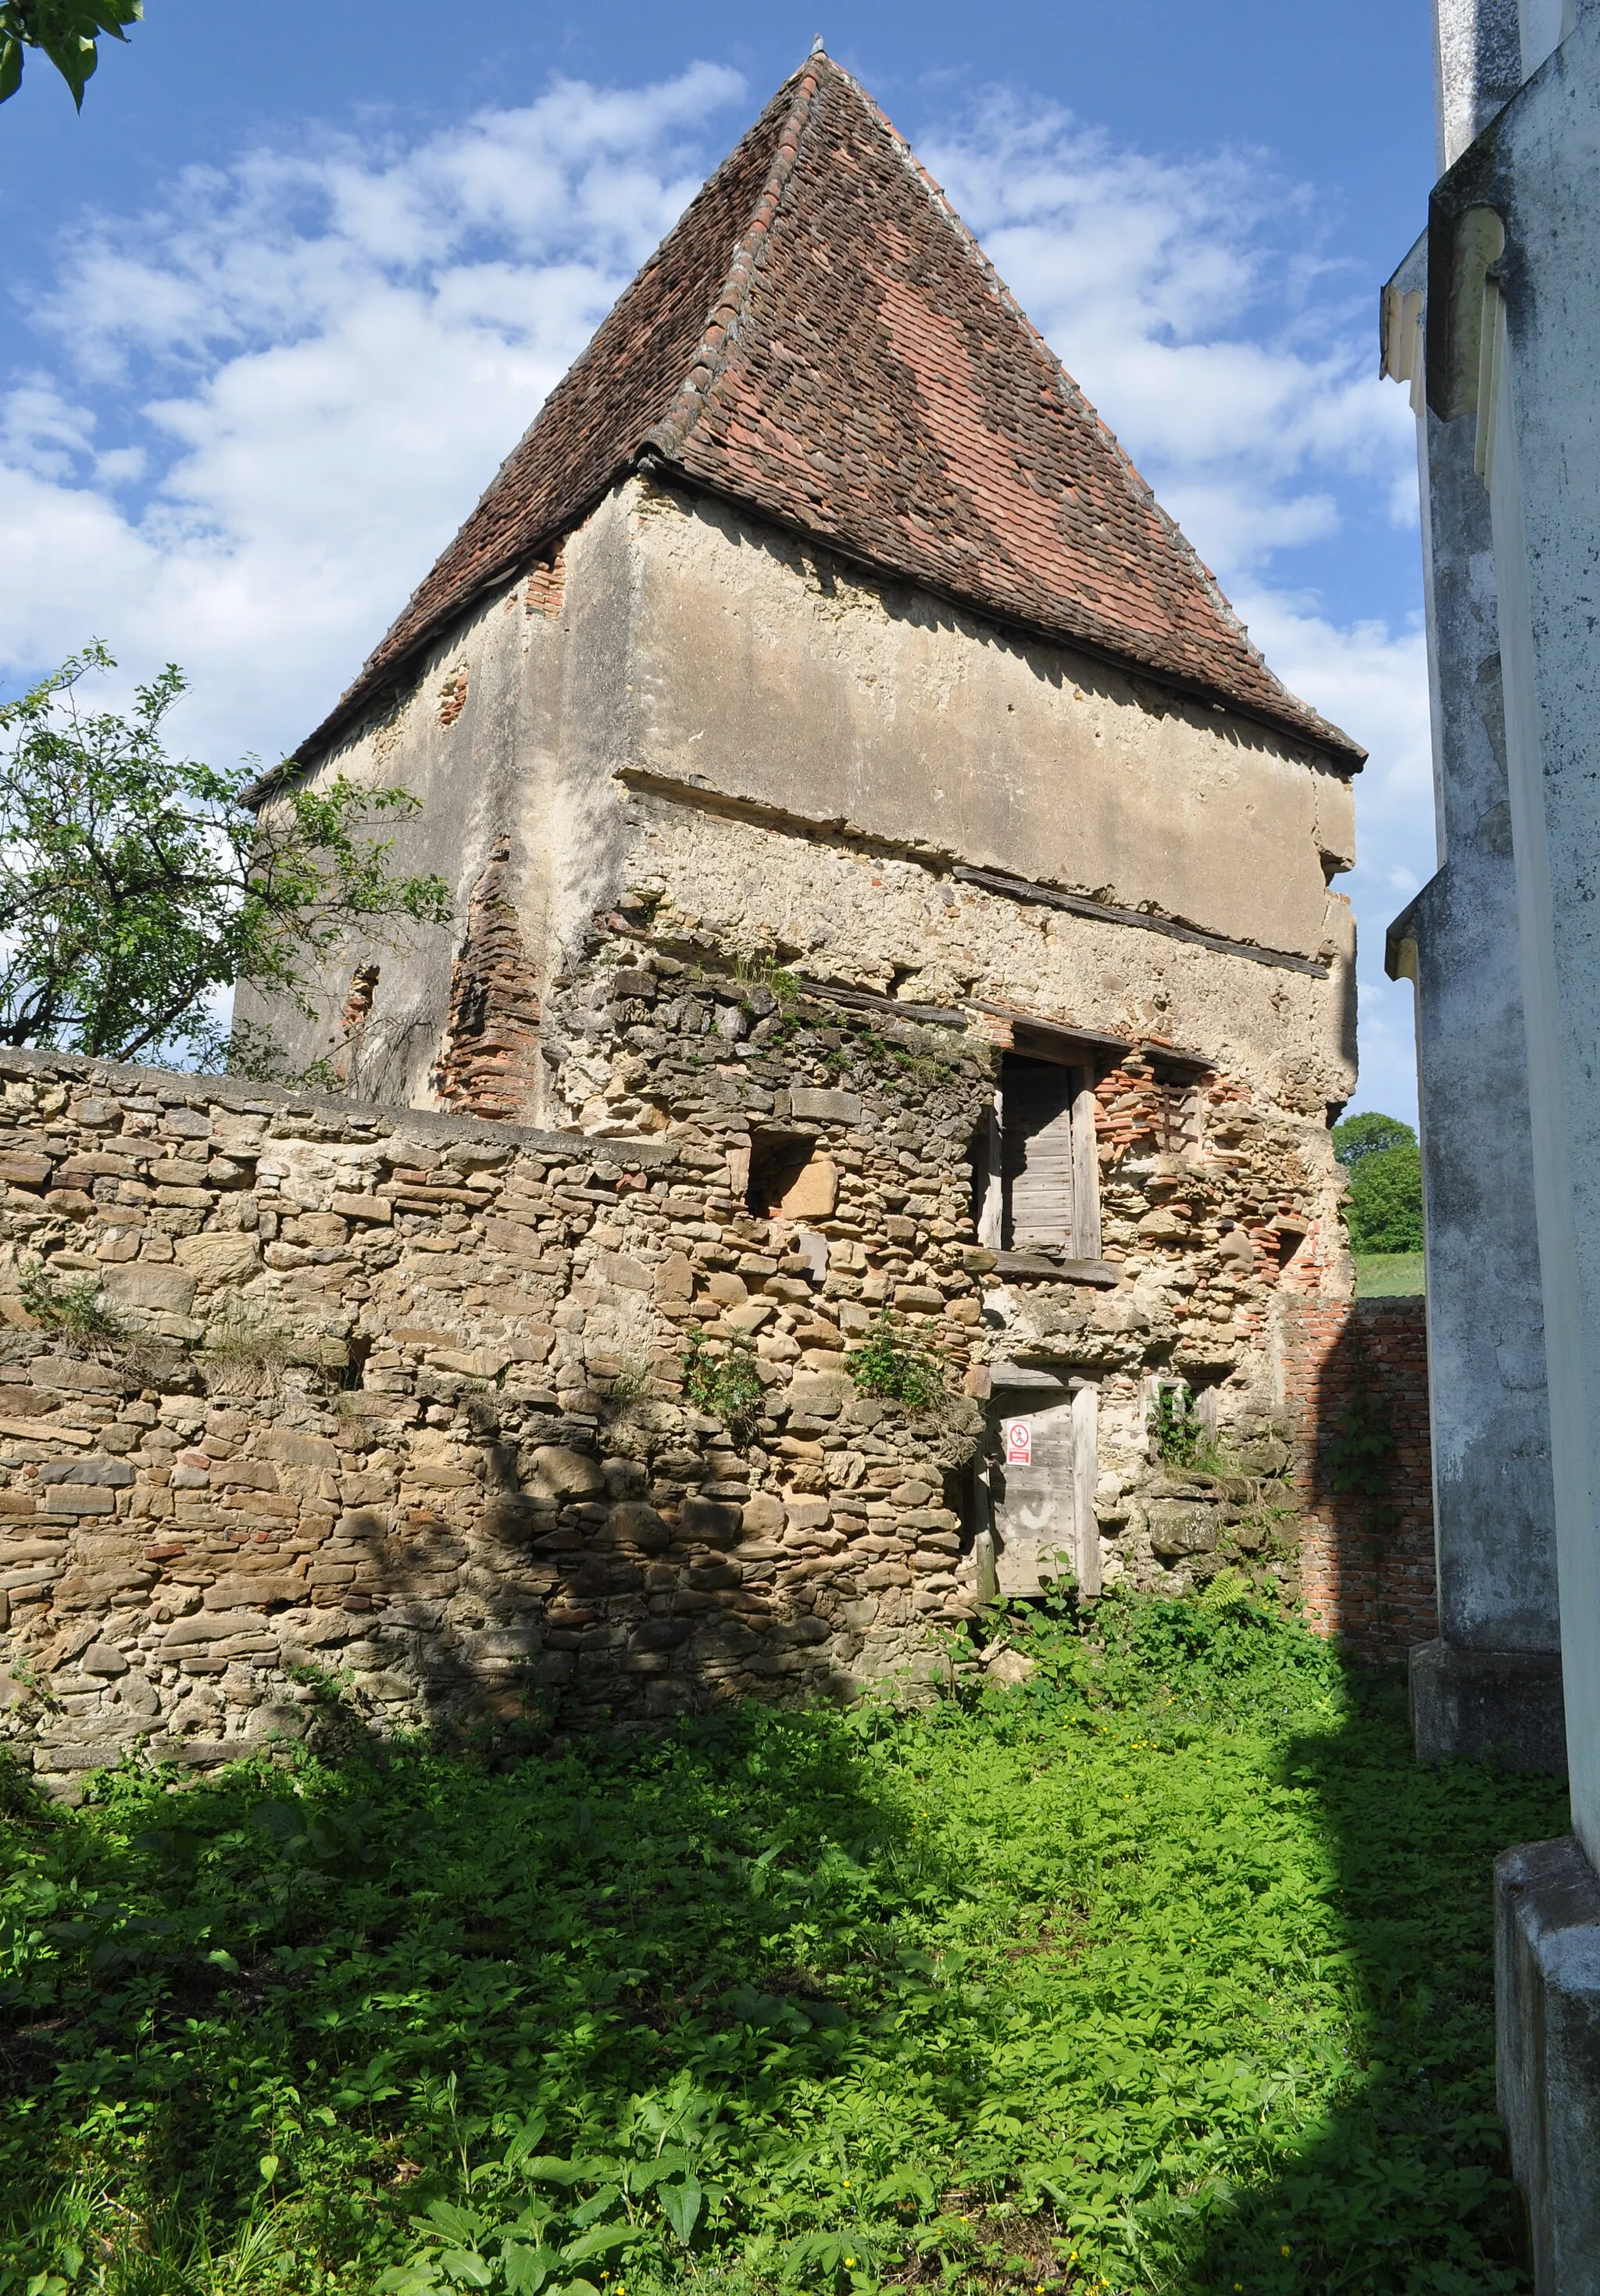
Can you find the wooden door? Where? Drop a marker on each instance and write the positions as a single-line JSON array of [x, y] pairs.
[[1041, 1507]]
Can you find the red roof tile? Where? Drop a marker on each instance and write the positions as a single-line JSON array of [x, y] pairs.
[[855, 369]]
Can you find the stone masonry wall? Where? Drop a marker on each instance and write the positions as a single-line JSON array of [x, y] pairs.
[[400, 1399], [403, 1400]]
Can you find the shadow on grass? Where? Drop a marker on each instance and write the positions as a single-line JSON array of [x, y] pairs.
[[284, 2009], [313, 1996], [1406, 2190]]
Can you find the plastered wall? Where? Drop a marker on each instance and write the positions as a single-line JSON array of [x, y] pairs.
[[838, 749]]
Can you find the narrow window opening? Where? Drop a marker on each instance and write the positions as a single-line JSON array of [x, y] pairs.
[[1178, 1110], [1036, 1174]]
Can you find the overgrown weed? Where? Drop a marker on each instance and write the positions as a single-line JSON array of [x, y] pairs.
[[77, 1312], [247, 1350], [1167, 1970]]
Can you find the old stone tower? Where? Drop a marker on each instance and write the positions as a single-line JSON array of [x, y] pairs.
[[852, 782]]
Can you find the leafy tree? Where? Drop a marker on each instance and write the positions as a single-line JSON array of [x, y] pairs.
[[1385, 1211], [66, 31], [1369, 1134], [133, 883]]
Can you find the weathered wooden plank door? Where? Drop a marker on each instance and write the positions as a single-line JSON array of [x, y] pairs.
[[1043, 1509]]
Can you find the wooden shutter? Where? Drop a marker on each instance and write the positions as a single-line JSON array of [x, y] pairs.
[[1038, 1151], [1086, 1168]]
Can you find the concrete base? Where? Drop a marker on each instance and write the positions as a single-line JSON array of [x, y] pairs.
[[1478, 1705], [1547, 2054]]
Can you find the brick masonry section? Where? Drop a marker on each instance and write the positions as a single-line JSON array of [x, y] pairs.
[[1365, 1580]]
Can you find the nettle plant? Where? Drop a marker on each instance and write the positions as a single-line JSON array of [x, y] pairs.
[[534, 2221], [1179, 1434]]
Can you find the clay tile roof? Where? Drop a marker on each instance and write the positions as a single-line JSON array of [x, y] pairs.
[[820, 338]]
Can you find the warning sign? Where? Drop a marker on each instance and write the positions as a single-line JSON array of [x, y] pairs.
[[1020, 1443]]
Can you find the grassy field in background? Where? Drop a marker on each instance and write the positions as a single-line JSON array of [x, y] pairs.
[[1166, 1970], [1387, 1275]]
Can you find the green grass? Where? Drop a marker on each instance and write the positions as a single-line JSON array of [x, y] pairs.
[[1388, 1275], [1168, 1969]]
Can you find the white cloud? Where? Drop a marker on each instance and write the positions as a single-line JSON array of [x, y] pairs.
[[322, 357], [1192, 302], [248, 419]]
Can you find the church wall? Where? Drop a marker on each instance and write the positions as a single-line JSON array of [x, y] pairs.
[[764, 671]]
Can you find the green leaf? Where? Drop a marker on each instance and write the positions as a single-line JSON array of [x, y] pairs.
[[600, 2240], [680, 2205], [267, 2167], [526, 2269], [465, 2264]]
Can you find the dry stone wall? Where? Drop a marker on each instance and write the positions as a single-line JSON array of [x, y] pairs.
[[297, 1393], [399, 1401]]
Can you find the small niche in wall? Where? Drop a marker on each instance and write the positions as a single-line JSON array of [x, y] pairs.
[[791, 1178]]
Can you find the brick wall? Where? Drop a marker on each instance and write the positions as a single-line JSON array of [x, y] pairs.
[[1368, 1580]]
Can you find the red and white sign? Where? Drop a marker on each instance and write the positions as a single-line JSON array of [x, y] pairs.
[[1020, 1443]]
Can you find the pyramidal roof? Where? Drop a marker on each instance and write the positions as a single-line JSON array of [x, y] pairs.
[[820, 338]]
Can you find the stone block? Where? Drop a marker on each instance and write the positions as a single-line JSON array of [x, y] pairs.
[[819, 1395], [213, 1260], [919, 1299], [27, 1171], [1180, 1527], [472, 1363], [202, 1626], [561, 1473], [137, 1284], [78, 1499], [67, 1371], [375, 1208], [266, 1588], [675, 1279], [637, 1524], [748, 1316], [763, 1514], [501, 1643], [815, 1190], [1478, 1705], [815, 1105], [660, 1635], [711, 1519], [115, 1474], [103, 1659], [315, 1228], [1547, 2054]]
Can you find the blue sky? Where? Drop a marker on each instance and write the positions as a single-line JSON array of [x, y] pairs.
[[278, 303]]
